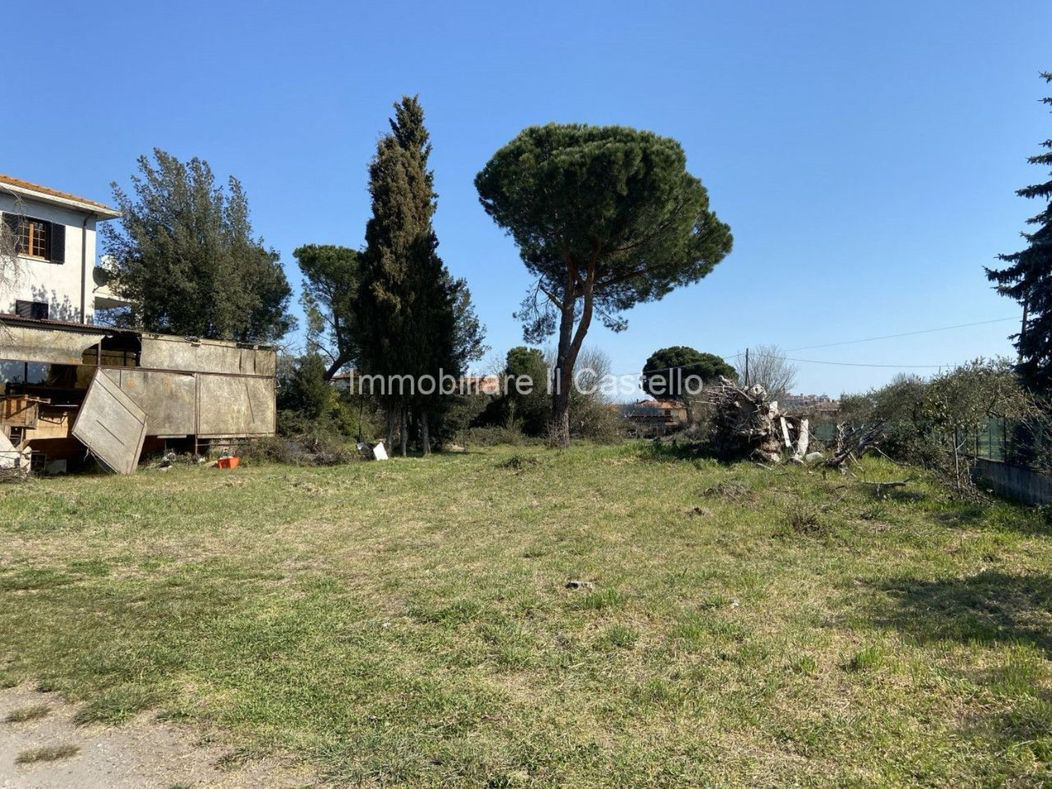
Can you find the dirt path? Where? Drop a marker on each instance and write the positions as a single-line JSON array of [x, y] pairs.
[[142, 753]]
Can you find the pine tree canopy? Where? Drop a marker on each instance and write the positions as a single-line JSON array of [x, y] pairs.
[[330, 294], [613, 201], [604, 218], [668, 372]]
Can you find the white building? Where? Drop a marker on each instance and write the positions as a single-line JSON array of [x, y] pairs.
[[53, 274]]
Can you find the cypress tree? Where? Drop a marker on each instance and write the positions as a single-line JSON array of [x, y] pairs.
[[406, 300], [1028, 279]]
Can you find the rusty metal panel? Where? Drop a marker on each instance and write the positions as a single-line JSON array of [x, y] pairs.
[[232, 406], [111, 425], [50, 346], [167, 398], [205, 356]]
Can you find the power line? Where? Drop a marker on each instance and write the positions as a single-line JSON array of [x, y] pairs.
[[902, 334], [869, 339], [864, 364]]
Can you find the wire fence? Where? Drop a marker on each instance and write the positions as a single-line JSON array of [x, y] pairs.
[[1027, 444], [1020, 443]]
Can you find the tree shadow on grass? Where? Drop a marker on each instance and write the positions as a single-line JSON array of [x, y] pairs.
[[989, 608], [993, 609], [1024, 520], [671, 452]]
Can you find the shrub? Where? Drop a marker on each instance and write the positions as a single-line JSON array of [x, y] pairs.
[[595, 420], [491, 436], [303, 450]]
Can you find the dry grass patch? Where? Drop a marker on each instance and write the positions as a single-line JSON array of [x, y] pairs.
[[47, 753], [30, 713]]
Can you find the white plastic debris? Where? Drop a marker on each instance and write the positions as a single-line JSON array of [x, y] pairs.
[[8, 456], [379, 453]]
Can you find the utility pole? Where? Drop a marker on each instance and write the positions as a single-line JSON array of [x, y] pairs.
[[746, 367]]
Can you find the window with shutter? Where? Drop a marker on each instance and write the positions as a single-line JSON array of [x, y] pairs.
[[36, 238], [36, 310]]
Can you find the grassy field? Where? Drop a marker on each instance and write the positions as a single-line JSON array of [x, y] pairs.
[[411, 621]]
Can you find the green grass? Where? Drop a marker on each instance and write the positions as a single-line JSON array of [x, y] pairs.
[[410, 622], [47, 753]]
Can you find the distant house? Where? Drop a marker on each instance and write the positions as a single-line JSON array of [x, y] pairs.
[[809, 404], [480, 384], [53, 237], [656, 417]]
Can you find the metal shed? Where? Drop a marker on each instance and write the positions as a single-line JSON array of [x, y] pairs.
[[65, 387]]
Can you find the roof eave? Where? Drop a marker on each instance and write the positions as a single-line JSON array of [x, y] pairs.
[[100, 211]]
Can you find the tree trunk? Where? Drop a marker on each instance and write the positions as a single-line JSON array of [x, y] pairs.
[[404, 430], [560, 424], [337, 364], [390, 414], [570, 342], [561, 378], [956, 461], [425, 434]]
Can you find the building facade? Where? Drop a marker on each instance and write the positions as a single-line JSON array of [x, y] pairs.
[[49, 253]]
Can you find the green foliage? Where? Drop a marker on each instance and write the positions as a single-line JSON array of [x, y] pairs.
[[306, 391], [1028, 279], [187, 259], [524, 407], [926, 422], [605, 218], [672, 372], [330, 293], [974, 392], [909, 433], [525, 401], [309, 405], [469, 334], [611, 204], [593, 419], [491, 436]]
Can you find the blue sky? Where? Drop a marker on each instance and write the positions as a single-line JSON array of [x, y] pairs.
[[864, 154]]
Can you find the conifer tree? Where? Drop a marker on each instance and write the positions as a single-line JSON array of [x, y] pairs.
[[187, 258], [1028, 279], [605, 217], [407, 302]]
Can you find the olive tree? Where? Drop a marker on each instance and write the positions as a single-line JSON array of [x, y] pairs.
[[960, 401], [604, 218]]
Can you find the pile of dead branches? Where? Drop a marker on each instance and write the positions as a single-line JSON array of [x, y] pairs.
[[748, 425], [854, 442]]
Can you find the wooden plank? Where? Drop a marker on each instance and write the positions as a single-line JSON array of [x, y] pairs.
[[111, 425]]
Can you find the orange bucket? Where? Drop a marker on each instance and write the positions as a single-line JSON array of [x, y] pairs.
[[228, 462]]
